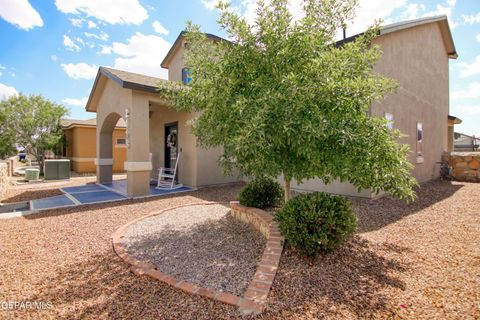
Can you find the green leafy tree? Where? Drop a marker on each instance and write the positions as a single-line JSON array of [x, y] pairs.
[[7, 139], [33, 123], [283, 98]]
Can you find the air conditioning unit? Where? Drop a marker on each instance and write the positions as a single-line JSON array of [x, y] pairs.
[[57, 169]]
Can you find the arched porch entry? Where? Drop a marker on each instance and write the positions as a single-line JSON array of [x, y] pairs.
[[104, 161]]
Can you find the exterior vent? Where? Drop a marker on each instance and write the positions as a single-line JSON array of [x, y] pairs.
[[58, 169]]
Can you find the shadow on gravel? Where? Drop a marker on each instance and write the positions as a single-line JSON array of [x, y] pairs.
[[376, 214], [33, 195], [345, 283], [220, 253], [104, 288]]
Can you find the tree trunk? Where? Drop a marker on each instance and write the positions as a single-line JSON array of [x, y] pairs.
[[287, 188]]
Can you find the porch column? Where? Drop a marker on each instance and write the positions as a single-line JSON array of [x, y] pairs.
[[138, 165], [104, 170], [104, 160]]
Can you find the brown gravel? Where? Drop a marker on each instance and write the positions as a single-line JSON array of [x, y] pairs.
[[202, 244], [22, 191], [418, 261]]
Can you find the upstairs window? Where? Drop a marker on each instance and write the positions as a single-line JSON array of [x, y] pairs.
[[186, 78], [389, 118]]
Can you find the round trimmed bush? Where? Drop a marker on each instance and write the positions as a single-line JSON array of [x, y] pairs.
[[316, 222], [261, 192]]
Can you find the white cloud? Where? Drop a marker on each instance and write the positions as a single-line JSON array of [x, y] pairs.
[[76, 22], [54, 58], [413, 11], [70, 44], [75, 102], [20, 13], [367, 12], [109, 11], [445, 9], [159, 28], [478, 37], [371, 10], [1, 68], [471, 92], [102, 36], [141, 53], [210, 4], [7, 91], [471, 19], [469, 69], [91, 25], [80, 70]]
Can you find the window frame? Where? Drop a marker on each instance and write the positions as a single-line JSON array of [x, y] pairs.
[[419, 135], [186, 77], [121, 145], [389, 117]]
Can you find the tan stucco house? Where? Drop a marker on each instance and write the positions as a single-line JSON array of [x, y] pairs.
[[81, 145], [415, 53]]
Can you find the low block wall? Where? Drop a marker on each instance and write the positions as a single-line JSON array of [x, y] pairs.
[[4, 179], [465, 165]]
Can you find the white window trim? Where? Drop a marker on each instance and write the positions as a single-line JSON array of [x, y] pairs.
[[419, 157]]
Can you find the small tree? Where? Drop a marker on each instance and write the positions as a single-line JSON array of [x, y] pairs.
[[7, 138], [283, 98], [33, 122]]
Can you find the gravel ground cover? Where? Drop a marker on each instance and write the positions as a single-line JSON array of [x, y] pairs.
[[202, 244], [416, 261], [38, 190]]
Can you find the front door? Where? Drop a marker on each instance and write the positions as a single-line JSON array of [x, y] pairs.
[[171, 144]]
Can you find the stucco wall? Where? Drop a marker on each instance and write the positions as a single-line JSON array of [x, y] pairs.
[[162, 115], [176, 64], [81, 149], [417, 59], [209, 171]]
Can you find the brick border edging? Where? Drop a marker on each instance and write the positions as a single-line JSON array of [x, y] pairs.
[[256, 294]]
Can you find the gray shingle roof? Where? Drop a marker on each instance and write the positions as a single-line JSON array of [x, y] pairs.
[[131, 80]]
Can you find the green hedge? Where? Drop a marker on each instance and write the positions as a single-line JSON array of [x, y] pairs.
[[316, 222], [261, 192]]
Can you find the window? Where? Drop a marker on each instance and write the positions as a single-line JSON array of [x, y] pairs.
[[419, 142], [186, 78], [389, 118], [121, 142]]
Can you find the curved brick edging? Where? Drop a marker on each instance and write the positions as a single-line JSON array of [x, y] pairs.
[[256, 294]]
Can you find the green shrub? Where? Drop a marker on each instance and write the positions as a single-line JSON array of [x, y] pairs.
[[261, 192], [316, 222]]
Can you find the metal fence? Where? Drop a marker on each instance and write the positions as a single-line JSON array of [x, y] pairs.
[[463, 142]]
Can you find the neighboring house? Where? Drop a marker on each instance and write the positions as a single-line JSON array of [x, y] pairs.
[[415, 53], [452, 121], [465, 143], [80, 146]]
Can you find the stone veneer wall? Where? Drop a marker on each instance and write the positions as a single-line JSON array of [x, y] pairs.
[[3, 179], [465, 165]]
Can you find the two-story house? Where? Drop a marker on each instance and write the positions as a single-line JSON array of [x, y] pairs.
[[415, 53]]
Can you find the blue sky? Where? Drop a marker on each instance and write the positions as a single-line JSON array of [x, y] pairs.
[[54, 47]]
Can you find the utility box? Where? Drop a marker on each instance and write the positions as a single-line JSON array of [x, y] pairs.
[[32, 174], [56, 169]]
